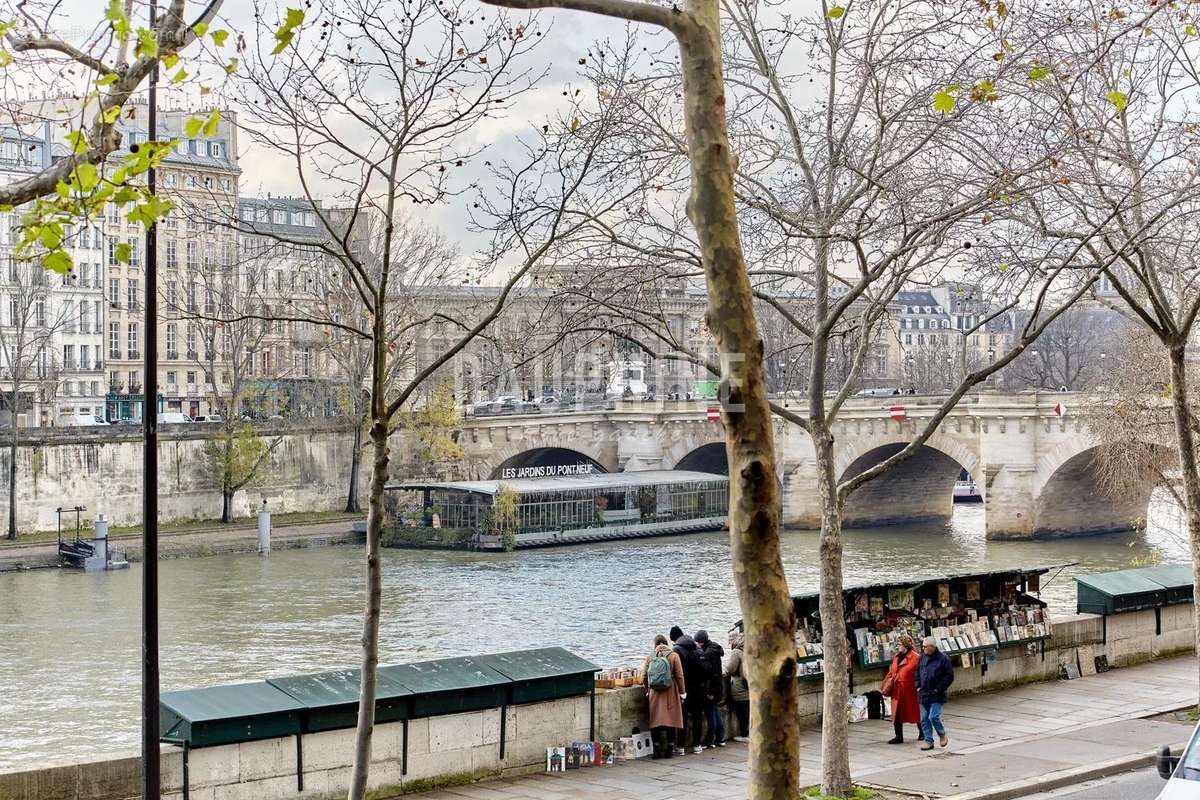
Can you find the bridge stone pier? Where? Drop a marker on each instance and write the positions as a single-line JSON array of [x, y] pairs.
[[1034, 468]]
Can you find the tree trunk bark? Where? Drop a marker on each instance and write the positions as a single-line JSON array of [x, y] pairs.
[[12, 477], [226, 504], [1187, 466], [352, 504], [835, 729], [754, 495], [370, 636]]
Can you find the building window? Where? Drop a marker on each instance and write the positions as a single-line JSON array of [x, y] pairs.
[[191, 344], [134, 255], [169, 179], [112, 252], [114, 290], [208, 182], [190, 181], [171, 377], [39, 312], [114, 340], [191, 378], [171, 335], [172, 254], [131, 293], [193, 255], [172, 294], [279, 216], [132, 344], [226, 185]]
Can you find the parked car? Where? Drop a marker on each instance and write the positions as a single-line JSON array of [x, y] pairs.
[[173, 418], [1182, 772], [209, 418], [80, 420]]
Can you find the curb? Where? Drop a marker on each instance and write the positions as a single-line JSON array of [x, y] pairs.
[[1062, 778]]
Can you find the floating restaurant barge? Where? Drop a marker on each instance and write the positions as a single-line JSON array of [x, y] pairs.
[[542, 512]]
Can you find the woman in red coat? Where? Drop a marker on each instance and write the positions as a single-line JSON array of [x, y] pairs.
[[903, 677]]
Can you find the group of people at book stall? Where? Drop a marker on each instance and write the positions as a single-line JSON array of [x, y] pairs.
[[918, 631], [687, 678]]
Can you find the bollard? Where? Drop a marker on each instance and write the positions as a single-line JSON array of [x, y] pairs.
[[264, 530], [100, 539]]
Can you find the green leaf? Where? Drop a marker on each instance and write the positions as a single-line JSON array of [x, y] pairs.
[[210, 127], [1189, 30], [1038, 72], [147, 46], [58, 261], [78, 142], [192, 127], [200, 28], [943, 99], [111, 115], [62, 189], [231, 67], [219, 38], [107, 80], [115, 14], [86, 177], [1118, 99], [169, 60], [835, 11], [287, 31], [51, 236], [123, 252], [150, 211], [178, 77]]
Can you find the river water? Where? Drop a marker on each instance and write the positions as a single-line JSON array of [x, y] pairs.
[[69, 642]]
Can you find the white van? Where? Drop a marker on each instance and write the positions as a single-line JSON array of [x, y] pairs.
[[1181, 772], [173, 418], [79, 419]]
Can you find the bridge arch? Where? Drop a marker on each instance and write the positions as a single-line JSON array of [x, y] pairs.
[[711, 457], [1069, 500], [918, 489], [546, 461]]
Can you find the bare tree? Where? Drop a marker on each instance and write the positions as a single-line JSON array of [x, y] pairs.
[[375, 114], [1073, 353], [889, 174], [1129, 173], [30, 322]]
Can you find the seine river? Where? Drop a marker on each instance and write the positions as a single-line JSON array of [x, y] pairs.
[[69, 642]]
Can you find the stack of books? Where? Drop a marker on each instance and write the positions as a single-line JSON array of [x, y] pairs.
[[967, 636]]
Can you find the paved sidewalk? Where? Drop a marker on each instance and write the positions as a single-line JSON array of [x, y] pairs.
[[996, 738]]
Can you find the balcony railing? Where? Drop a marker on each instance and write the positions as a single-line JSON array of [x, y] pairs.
[[172, 355]]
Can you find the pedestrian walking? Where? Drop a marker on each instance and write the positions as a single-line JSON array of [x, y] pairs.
[[935, 673], [662, 675], [695, 674], [739, 686], [714, 689], [900, 684]]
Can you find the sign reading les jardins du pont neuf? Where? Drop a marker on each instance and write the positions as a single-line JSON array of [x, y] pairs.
[[547, 470]]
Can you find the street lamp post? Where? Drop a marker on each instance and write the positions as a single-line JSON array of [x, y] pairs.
[[151, 779]]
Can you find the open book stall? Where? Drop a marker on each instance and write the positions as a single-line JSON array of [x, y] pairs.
[[971, 616]]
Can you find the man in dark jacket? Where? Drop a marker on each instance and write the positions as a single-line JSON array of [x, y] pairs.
[[695, 679], [712, 655], [935, 673]]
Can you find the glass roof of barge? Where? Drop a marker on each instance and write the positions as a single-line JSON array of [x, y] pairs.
[[566, 483]]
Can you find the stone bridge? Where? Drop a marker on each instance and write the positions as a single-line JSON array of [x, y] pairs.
[[1033, 467]]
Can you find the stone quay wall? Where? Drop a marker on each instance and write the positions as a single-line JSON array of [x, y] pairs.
[[101, 469], [463, 748]]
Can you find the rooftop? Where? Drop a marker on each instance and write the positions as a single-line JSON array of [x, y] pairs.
[[563, 483]]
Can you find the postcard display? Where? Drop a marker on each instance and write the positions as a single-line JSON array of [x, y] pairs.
[[970, 619]]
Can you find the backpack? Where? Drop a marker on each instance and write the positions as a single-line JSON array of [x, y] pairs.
[[658, 675]]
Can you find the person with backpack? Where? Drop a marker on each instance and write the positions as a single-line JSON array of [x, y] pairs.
[[666, 690], [711, 654]]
